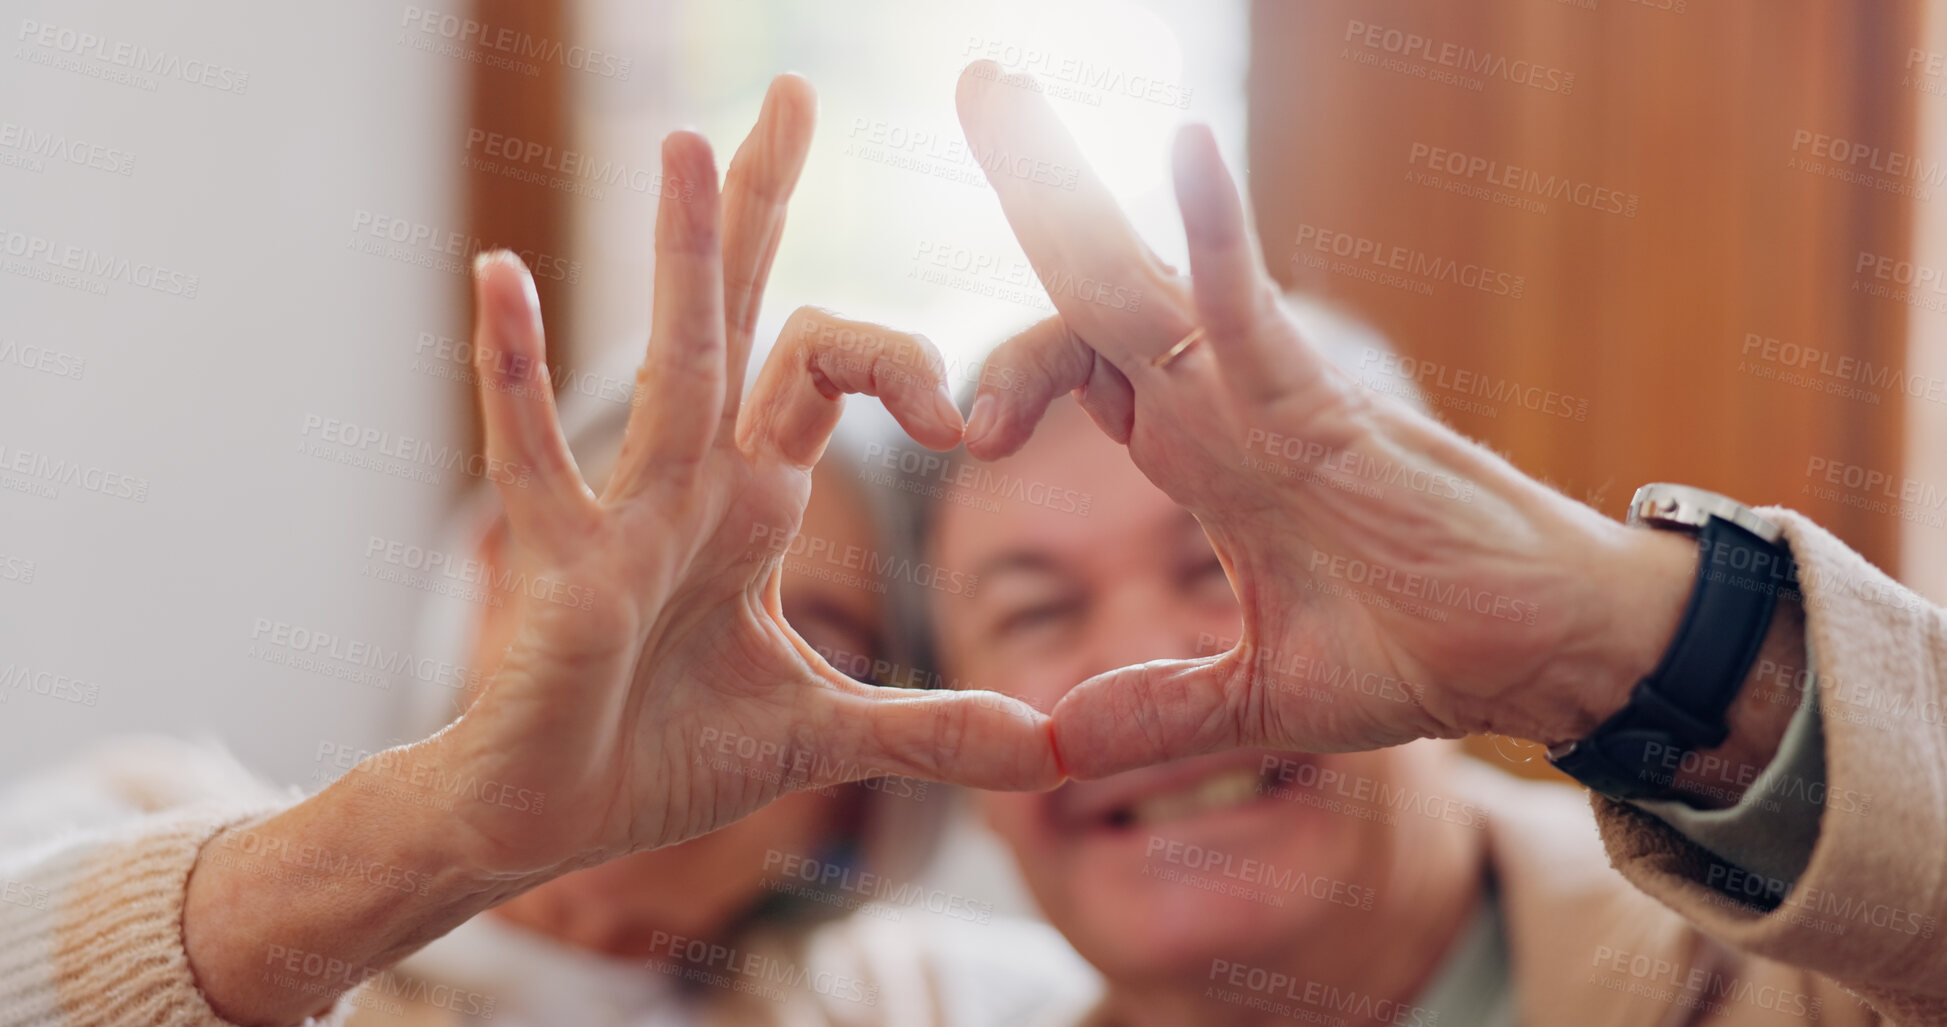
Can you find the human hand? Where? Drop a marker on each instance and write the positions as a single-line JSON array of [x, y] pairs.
[[668, 633], [1361, 536], [650, 632]]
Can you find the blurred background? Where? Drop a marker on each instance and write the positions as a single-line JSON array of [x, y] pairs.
[[1627, 241]]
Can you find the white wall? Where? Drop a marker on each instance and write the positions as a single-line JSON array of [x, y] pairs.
[[251, 193]]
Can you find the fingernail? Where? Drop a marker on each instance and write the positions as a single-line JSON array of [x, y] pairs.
[[984, 416], [480, 262], [944, 411]]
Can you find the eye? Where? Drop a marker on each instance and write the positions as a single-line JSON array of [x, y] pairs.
[[1035, 617]]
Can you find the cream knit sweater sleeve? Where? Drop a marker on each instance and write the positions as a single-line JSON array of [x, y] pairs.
[[94, 866], [1871, 905]]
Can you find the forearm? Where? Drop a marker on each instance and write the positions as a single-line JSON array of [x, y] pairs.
[[285, 914]]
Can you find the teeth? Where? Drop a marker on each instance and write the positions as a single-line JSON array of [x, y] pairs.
[[1219, 791]]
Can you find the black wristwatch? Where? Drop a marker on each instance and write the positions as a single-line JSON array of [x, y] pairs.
[[1744, 567]]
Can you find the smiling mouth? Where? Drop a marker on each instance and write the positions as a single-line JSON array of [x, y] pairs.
[[1226, 789]]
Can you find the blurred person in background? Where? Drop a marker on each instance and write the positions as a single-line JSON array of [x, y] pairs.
[[1404, 885]]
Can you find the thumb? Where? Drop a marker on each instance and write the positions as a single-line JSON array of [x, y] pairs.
[[1152, 713], [969, 738]]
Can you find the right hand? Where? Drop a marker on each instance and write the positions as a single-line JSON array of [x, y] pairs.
[[613, 703], [656, 642]]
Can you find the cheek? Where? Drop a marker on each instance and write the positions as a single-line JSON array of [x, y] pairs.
[[1013, 816]]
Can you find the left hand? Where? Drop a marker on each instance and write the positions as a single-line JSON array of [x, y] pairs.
[[1511, 608]]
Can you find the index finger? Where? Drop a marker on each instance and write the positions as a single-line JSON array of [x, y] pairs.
[[756, 189], [1078, 242]]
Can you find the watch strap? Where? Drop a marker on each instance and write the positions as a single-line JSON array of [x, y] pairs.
[[1680, 707]]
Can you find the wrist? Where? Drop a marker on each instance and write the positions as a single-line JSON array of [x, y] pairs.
[[1718, 778], [1637, 584], [285, 914], [1651, 574]]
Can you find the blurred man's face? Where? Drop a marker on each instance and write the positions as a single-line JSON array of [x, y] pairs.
[[1063, 596]]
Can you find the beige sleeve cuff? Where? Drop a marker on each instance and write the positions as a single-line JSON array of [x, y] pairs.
[[1870, 903], [103, 943]]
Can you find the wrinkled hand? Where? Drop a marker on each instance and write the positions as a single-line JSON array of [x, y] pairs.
[[1365, 540], [657, 637]]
